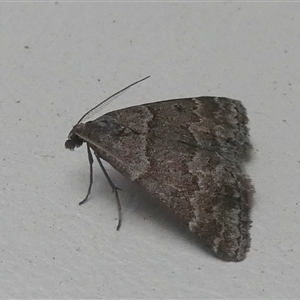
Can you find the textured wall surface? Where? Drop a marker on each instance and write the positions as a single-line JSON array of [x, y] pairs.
[[60, 59]]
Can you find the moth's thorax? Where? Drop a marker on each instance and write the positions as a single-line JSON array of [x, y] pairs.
[[104, 127]]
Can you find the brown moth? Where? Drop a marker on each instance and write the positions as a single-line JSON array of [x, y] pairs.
[[188, 154]]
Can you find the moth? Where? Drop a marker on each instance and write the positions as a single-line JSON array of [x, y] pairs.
[[188, 154]]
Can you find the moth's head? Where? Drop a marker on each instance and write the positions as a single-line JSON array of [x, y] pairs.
[[74, 140]]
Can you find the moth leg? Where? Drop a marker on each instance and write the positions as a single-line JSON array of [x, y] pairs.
[[115, 191], [90, 157]]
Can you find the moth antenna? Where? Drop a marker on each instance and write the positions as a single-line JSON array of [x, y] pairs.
[[109, 99]]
